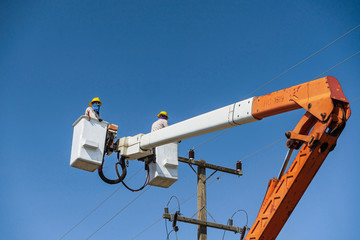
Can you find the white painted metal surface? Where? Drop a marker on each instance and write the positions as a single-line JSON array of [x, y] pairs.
[[88, 143], [130, 147], [219, 119], [164, 172]]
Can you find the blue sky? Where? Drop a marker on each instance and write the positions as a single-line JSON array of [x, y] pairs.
[[185, 57]]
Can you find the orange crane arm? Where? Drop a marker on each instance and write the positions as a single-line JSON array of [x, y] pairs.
[[316, 97], [316, 133]]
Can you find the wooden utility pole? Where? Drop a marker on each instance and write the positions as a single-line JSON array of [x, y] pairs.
[[201, 220], [201, 201]]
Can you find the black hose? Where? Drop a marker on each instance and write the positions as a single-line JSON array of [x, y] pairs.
[[121, 177], [114, 181], [123, 169], [141, 188]]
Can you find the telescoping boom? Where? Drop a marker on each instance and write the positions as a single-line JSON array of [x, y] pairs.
[[317, 97], [315, 135]]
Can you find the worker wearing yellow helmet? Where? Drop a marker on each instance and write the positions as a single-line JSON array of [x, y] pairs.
[[161, 122], [93, 111]]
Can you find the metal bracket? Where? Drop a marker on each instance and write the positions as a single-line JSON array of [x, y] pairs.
[[203, 223]]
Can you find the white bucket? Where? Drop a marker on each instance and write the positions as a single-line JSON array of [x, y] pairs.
[[164, 172], [88, 143]]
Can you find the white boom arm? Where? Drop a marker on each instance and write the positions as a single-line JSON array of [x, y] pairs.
[[226, 117]]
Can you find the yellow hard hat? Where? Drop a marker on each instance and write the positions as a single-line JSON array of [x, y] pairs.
[[95, 100], [163, 113]]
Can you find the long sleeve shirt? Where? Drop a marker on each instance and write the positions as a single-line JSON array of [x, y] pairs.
[[159, 124], [92, 114]]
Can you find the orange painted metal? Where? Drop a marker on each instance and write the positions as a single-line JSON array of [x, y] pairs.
[[316, 134], [315, 96], [113, 127]]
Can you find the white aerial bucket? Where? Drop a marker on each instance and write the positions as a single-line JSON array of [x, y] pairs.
[[88, 143], [164, 172]]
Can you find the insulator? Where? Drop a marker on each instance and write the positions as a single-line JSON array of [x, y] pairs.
[[191, 154], [239, 166]]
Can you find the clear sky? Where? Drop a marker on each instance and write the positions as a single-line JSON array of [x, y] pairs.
[[185, 57]]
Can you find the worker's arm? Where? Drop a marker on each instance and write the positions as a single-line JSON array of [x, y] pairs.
[[87, 112], [165, 123]]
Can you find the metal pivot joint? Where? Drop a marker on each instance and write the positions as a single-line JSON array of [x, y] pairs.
[[314, 138]]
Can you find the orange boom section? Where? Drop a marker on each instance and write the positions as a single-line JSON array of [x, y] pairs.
[[316, 133], [316, 97]]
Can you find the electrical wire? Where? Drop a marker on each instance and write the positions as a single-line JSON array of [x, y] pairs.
[[262, 149], [223, 237], [166, 229], [220, 175], [355, 100], [178, 211], [211, 138], [302, 61], [286, 71], [168, 234], [116, 214], [159, 219], [271, 143], [247, 219], [101, 203], [177, 199], [247, 216], [209, 183], [72, 228], [147, 228], [338, 64]]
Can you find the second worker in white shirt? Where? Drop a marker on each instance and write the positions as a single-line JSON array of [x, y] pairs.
[[161, 122]]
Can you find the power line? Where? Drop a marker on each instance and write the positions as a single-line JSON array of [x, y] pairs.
[[126, 206], [338, 64], [355, 100], [147, 228], [211, 138], [191, 196], [286, 71], [302, 61], [92, 211], [247, 219], [159, 219], [264, 148]]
